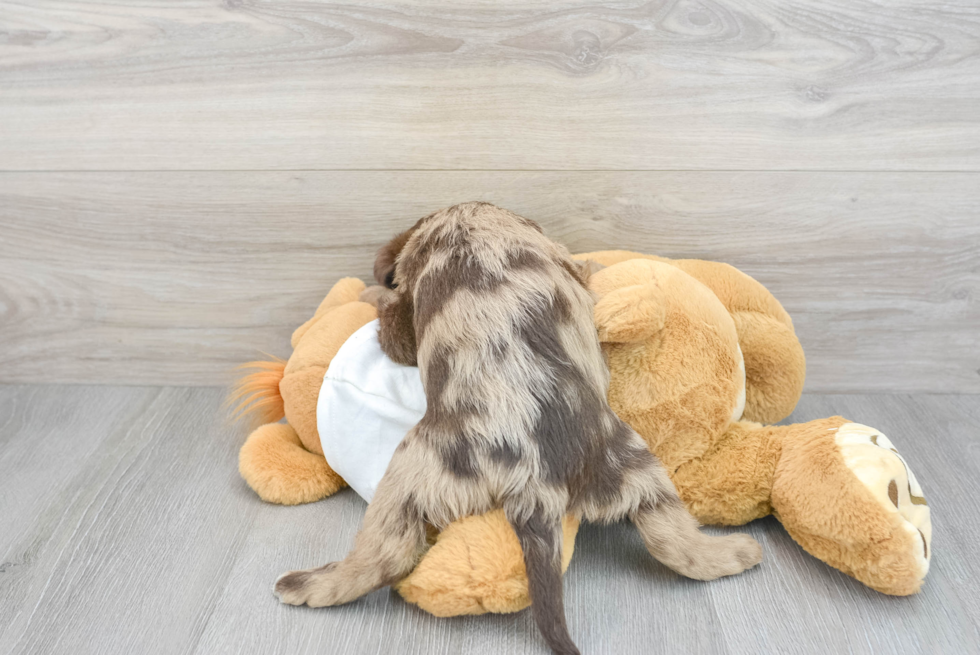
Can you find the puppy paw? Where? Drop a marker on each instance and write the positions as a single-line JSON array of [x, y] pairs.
[[721, 556], [311, 587], [746, 551], [290, 587]]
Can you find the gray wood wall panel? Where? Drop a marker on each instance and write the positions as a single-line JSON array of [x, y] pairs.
[[124, 528], [174, 278], [725, 84]]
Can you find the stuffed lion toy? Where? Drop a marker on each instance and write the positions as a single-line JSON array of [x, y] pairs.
[[703, 360]]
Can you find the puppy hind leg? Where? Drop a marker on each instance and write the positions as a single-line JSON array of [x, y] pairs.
[[673, 536], [646, 494], [386, 549]]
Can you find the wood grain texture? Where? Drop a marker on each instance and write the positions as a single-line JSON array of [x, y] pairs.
[[153, 278], [111, 501], [662, 84], [124, 529]]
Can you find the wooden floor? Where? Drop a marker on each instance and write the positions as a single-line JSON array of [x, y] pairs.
[[124, 528]]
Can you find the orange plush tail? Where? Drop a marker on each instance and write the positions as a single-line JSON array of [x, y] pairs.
[[256, 394]]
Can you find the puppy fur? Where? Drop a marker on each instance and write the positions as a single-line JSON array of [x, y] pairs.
[[500, 323]]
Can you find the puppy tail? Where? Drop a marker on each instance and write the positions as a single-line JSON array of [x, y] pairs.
[[541, 539]]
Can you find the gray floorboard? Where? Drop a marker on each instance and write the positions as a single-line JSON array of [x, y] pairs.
[[124, 528]]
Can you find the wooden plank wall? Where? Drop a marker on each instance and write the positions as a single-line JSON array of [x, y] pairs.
[[181, 183]]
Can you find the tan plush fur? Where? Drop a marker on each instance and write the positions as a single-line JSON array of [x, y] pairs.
[[741, 470], [483, 551], [817, 498], [276, 464], [500, 324], [774, 362], [676, 387]]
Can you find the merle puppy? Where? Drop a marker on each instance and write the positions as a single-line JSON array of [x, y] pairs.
[[499, 320]]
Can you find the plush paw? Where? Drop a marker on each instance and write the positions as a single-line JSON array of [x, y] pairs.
[[846, 496], [878, 465], [721, 556], [280, 470]]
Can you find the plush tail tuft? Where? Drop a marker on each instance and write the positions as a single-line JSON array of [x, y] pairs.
[[256, 394], [541, 540]]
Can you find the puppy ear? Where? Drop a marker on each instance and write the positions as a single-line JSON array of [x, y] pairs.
[[630, 314], [384, 266], [396, 327], [384, 261]]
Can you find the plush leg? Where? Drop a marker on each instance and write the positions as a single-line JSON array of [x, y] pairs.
[[476, 566], [276, 466], [775, 366], [846, 496], [731, 483]]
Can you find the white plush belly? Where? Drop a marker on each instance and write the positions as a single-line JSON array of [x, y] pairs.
[[367, 405]]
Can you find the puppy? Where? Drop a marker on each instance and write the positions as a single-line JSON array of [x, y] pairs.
[[500, 323]]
